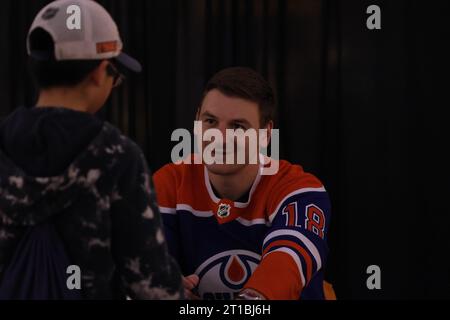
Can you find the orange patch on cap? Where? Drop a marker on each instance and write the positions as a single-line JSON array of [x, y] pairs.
[[110, 46]]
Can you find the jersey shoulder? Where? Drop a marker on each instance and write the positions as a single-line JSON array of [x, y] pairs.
[[174, 180], [290, 181], [291, 177]]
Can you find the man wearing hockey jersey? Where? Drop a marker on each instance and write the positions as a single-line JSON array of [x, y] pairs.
[[244, 234]]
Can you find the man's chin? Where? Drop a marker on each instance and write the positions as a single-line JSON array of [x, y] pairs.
[[224, 169]]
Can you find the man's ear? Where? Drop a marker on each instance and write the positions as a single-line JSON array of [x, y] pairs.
[[98, 75], [269, 127]]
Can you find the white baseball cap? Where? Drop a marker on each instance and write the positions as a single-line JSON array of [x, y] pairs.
[[95, 37]]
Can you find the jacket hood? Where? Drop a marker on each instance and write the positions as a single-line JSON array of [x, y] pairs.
[[27, 197]]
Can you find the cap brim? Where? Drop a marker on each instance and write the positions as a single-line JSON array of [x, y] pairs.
[[129, 62]]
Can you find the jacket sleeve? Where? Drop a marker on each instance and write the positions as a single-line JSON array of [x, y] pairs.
[[145, 268], [166, 188]]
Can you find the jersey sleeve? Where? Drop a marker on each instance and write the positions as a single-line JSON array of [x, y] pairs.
[[295, 247]]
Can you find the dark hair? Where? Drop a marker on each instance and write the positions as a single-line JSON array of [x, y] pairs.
[[47, 72], [247, 84]]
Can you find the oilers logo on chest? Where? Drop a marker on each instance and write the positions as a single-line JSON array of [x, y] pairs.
[[224, 274]]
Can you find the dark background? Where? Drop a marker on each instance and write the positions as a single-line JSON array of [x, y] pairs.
[[363, 110]]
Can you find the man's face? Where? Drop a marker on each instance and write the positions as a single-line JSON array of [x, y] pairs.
[[222, 112]]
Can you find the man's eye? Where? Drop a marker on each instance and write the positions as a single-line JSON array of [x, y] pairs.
[[210, 121], [238, 126]]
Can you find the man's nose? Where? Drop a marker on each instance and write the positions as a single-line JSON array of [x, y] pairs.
[[222, 127]]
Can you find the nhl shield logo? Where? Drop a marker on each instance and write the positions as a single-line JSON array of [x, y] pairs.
[[224, 210]]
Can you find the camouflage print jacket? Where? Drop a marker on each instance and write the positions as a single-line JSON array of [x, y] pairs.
[[104, 209]]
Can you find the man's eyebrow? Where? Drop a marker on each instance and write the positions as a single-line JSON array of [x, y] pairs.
[[207, 114], [244, 121], [239, 120]]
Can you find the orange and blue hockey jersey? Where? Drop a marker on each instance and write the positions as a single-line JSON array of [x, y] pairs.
[[275, 242]]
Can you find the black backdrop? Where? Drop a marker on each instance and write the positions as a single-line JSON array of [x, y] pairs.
[[363, 110]]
